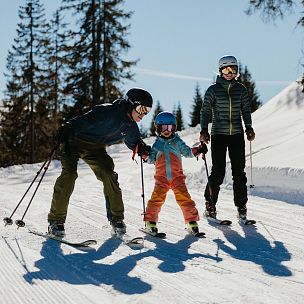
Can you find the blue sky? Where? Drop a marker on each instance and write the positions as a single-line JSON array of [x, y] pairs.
[[179, 43]]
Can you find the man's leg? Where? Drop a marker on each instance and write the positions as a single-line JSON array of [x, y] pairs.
[[64, 186], [103, 167]]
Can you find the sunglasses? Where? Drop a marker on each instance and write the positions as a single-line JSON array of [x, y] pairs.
[[229, 70], [163, 128], [142, 110]]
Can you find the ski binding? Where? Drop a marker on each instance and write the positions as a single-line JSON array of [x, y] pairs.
[[196, 234], [247, 222], [127, 239], [160, 235]]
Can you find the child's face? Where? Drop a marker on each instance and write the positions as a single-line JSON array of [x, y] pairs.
[[166, 133]]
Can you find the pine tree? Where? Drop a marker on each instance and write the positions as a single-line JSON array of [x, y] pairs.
[[196, 107], [157, 110], [57, 65], [25, 119], [179, 118], [246, 79], [97, 68]]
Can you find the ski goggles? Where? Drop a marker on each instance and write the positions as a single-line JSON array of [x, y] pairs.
[[163, 128], [142, 110], [229, 70]]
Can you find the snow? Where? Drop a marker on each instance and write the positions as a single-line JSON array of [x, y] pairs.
[[261, 264]]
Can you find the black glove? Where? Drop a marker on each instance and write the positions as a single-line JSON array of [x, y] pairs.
[[205, 136], [63, 133], [143, 150], [250, 133]]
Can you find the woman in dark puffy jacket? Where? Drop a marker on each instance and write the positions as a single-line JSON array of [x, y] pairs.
[[228, 104]]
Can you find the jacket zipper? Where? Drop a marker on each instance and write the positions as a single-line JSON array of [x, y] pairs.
[[230, 110]]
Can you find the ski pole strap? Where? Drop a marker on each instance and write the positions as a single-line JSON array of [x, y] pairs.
[[134, 152]]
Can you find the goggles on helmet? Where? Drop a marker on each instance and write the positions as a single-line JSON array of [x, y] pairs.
[[229, 70], [163, 128], [142, 110]]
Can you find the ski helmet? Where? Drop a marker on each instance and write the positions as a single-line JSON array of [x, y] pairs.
[[165, 121], [165, 118], [137, 96], [227, 60]]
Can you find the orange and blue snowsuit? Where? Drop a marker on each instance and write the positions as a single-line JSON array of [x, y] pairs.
[[166, 155]]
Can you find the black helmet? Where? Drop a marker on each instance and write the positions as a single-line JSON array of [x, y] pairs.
[[137, 96]]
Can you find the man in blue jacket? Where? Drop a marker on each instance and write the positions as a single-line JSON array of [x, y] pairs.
[[227, 102], [86, 137]]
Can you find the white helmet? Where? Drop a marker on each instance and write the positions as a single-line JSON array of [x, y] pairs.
[[227, 60]]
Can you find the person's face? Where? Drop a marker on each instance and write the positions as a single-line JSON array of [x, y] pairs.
[[166, 133], [229, 72], [166, 130], [136, 116], [139, 112]]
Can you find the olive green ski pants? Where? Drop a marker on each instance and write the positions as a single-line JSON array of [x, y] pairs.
[[102, 165]]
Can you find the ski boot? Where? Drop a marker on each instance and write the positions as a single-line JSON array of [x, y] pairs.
[[56, 228], [242, 213], [210, 211], [151, 226], [192, 227], [118, 227]]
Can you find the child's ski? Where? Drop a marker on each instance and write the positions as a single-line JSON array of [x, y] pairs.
[[160, 235], [197, 234], [86, 243]]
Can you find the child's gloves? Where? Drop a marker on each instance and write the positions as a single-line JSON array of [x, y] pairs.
[[205, 136], [202, 148]]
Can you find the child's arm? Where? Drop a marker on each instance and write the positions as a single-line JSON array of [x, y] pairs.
[[185, 150], [152, 156]]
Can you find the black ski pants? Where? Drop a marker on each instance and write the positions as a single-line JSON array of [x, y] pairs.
[[236, 149]]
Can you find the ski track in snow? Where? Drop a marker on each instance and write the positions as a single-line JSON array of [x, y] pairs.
[[227, 266]]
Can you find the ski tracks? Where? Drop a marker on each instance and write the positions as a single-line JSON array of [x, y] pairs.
[[22, 282]]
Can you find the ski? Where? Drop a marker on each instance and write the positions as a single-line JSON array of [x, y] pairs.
[[160, 235], [247, 222], [215, 220], [218, 221], [196, 234], [86, 243], [129, 240]]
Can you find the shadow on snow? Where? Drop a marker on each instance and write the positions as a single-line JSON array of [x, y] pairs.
[[255, 248], [86, 267]]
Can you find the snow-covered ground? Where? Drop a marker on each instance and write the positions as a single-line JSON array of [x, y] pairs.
[[261, 264]]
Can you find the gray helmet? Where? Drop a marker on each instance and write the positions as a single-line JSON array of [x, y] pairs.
[[227, 60]]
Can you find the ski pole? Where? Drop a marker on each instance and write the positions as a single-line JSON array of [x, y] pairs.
[[251, 185], [142, 187], [208, 180], [8, 220]]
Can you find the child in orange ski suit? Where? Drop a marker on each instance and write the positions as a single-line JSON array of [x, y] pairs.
[[166, 154]]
